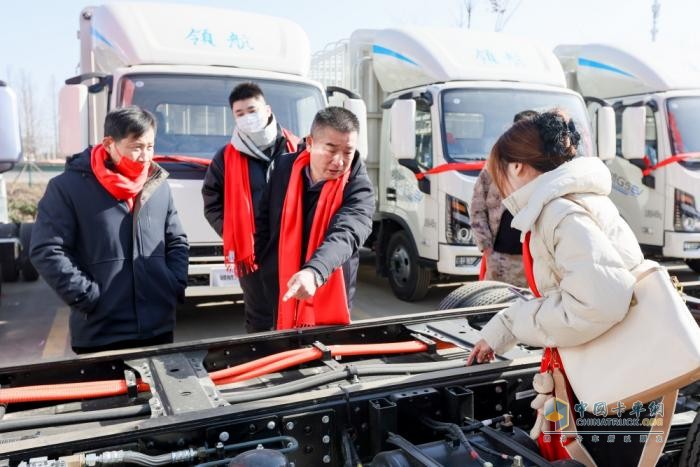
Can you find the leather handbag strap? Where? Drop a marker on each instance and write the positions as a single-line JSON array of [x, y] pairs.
[[574, 447], [652, 448]]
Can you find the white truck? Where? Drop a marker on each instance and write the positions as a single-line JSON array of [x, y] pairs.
[[436, 97], [15, 238], [655, 92], [181, 62]]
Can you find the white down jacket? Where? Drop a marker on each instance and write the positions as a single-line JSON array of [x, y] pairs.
[[582, 253]]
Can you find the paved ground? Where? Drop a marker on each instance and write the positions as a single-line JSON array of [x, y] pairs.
[[34, 321]]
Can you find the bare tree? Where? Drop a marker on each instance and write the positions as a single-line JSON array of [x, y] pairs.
[[466, 10], [28, 116], [655, 11], [503, 9]]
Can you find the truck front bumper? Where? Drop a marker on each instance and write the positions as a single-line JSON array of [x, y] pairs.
[[458, 260], [685, 245]]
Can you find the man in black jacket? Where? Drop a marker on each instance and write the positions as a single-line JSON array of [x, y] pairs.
[[108, 240], [233, 186], [332, 156]]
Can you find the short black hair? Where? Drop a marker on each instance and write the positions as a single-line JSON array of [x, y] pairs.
[[129, 121], [338, 118], [244, 91], [525, 114]]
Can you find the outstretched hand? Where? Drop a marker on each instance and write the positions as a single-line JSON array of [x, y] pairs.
[[301, 286], [482, 352]]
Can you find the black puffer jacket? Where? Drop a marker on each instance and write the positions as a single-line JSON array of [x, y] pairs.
[[120, 272]]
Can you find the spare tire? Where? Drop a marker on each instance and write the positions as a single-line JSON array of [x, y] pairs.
[[480, 293]]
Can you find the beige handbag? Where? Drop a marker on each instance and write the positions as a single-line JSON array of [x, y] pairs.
[[653, 350]]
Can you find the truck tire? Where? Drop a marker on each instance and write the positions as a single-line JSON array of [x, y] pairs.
[[8, 261], [480, 293], [690, 455], [29, 273], [408, 279], [693, 264]]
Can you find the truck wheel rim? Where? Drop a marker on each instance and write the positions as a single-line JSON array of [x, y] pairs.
[[401, 265]]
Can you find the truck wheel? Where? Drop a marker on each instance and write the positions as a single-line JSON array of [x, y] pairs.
[[690, 456], [693, 264], [479, 293], [29, 273], [408, 279], [8, 261]]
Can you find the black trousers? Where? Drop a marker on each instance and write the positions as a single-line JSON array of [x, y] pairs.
[[166, 338], [258, 305]]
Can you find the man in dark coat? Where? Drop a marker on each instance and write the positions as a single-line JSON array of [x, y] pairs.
[[108, 240], [232, 189], [322, 201]]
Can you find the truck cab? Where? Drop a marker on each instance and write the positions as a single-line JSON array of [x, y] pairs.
[[181, 62], [655, 92], [436, 98]]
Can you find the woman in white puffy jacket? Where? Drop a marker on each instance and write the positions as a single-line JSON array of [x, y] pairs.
[[582, 249]]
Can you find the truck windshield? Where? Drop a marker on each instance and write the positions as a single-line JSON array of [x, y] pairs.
[[684, 127], [194, 118], [475, 118]]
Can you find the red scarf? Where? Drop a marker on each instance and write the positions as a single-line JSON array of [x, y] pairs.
[[551, 450], [239, 216], [329, 305], [126, 182]]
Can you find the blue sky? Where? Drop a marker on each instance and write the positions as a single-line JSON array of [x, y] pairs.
[[38, 37]]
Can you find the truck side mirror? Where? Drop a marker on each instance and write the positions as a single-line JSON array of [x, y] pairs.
[[412, 165], [10, 139], [358, 107], [633, 132], [73, 118], [605, 133], [403, 129]]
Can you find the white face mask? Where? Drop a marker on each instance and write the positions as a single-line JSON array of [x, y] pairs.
[[252, 122]]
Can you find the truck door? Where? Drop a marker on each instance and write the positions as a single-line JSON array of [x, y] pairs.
[[640, 199], [418, 201]]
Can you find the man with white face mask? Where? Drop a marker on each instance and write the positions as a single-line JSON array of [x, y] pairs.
[[233, 186]]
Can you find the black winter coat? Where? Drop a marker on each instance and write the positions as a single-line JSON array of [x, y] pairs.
[[347, 232], [120, 272], [213, 187]]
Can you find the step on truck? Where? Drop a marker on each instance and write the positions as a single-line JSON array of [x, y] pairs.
[[437, 98], [181, 62], [655, 93]]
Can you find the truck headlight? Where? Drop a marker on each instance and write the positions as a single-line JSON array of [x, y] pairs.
[[458, 229], [686, 217]]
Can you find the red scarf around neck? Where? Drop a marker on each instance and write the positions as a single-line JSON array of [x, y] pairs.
[[329, 305], [239, 216], [120, 186]]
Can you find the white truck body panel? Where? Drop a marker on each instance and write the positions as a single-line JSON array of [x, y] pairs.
[[405, 58], [657, 77], [383, 65], [125, 34], [609, 71]]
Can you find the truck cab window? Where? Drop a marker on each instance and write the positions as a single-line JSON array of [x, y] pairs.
[[192, 111], [424, 136], [473, 119]]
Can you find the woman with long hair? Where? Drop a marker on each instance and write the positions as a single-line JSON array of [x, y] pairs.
[[582, 251]]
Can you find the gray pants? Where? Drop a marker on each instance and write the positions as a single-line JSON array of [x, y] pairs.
[[257, 305]]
